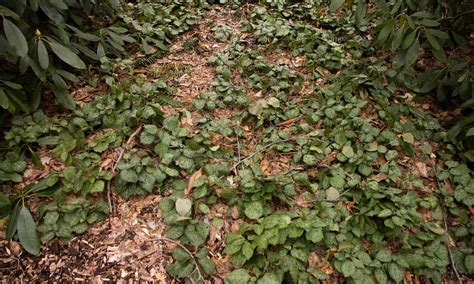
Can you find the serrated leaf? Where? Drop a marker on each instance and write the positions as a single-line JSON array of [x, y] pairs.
[[238, 276], [27, 232], [253, 210], [348, 268], [207, 265], [395, 272]]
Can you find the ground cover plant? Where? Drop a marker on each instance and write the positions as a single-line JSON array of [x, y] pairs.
[[238, 142]]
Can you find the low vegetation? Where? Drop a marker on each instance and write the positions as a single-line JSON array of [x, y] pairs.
[[338, 135]]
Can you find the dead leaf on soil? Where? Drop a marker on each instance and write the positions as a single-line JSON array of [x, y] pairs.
[[194, 177]]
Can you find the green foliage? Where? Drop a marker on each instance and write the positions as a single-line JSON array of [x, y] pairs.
[[326, 170], [44, 44]]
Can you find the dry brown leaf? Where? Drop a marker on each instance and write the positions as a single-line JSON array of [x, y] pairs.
[[194, 177], [235, 213], [265, 167], [314, 260], [422, 169], [379, 177], [289, 121]]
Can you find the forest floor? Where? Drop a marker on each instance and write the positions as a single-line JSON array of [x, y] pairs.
[[297, 131]]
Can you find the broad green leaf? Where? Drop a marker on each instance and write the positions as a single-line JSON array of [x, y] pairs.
[[469, 263], [207, 265], [27, 232], [97, 186], [347, 268], [4, 100], [15, 37], [197, 233], [183, 206], [49, 140], [395, 272], [269, 278], [129, 176], [12, 224], [348, 151], [238, 276], [66, 55], [253, 210], [412, 53], [408, 137], [398, 38], [315, 235], [432, 40], [409, 39], [43, 56], [332, 194], [5, 176]]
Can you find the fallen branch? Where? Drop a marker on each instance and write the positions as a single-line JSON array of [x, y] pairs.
[[451, 257], [114, 167], [261, 150], [188, 252]]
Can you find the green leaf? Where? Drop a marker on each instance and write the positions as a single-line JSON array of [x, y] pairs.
[[332, 194], [348, 151], [49, 140], [335, 4], [5, 205], [197, 233], [43, 56], [469, 263], [253, 210], [395, 272], [364, 169], [409, 39], [207, 265], [269, 278], [4, 176], [66, 55], [12, 224], [27, 232], [238, 276], [412, 53], [470, 132], [183, 206], [129, 176], [432, 40], [384, 255], [348, 268], [15, 37], [315, 235], [4, 100], [97, 186], [310, 160]]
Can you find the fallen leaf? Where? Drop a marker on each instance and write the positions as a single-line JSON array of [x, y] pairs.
[[265, 167], [422, 169], [194, 177]]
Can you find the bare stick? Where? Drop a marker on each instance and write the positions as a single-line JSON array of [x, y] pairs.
[[122, 149], [114, 167], [451, 257], [261, 150], [188, 252]]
